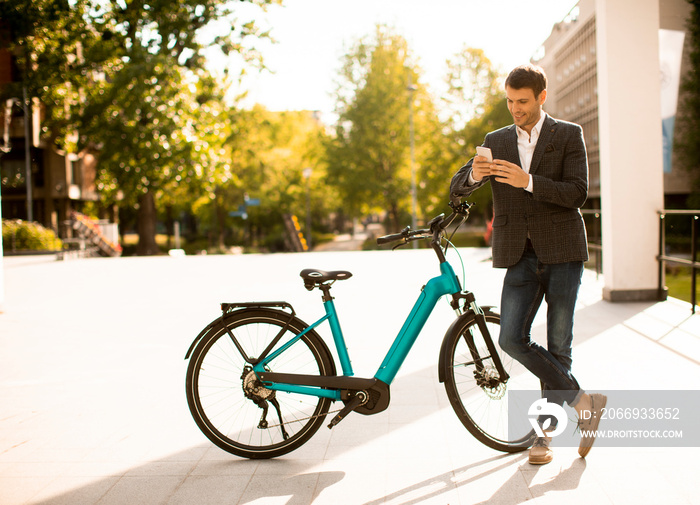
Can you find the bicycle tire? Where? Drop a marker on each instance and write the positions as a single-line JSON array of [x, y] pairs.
[[222, 390], [483, 410]]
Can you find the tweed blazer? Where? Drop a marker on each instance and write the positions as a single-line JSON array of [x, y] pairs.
[[550, 215]]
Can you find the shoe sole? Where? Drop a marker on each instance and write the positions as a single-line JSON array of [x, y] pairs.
[[540, 461]]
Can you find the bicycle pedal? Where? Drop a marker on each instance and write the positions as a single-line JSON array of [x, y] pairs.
[[359, 399]]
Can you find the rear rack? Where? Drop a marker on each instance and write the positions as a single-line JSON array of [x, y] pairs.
[[230, 307]]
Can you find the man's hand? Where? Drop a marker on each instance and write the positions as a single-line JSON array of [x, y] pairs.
[[509, 173], [481, 168]]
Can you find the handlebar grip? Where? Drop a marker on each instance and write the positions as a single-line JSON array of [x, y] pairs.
[[394, 237], [389, 238]]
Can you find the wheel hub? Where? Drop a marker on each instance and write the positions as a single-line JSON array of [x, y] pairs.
[[488, 380], [253, 388]]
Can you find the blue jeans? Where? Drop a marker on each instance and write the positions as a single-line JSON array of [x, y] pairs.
[[526, 284]]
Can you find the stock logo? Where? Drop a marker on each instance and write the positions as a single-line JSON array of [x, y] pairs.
[[544, 408]]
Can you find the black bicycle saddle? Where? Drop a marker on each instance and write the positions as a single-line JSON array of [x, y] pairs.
[[313, 276]]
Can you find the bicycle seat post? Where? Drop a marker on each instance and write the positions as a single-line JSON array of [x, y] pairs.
[[326, 289], [336, 331]]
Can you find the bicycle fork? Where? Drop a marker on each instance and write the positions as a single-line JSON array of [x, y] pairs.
[[480, 318]]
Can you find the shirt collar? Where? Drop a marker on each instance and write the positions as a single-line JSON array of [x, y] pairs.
[[535, 132]]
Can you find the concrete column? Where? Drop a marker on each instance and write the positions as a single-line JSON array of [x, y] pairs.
[[629, 104]]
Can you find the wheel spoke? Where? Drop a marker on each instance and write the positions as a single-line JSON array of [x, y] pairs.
[[228, 401], [476, 393]]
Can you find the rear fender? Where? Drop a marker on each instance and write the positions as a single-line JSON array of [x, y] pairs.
[[230, 311]]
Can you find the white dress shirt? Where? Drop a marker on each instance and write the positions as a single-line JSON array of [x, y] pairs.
[[526, 148]]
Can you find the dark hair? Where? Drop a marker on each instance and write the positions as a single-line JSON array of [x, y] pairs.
[[527, 76]]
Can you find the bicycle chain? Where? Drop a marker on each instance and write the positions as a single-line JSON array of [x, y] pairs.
[[303, 419]]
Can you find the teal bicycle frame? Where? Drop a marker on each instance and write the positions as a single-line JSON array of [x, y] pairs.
[[437, 287]]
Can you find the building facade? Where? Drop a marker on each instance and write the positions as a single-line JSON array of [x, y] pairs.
[[60, 182], [569, 57]]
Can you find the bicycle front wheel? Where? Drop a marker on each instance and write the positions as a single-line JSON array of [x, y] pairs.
[[230, 405], [478, 398]]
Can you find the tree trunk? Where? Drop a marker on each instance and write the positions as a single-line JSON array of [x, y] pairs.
[[147, 226], [220, 213], [395, 217], [169, 225]]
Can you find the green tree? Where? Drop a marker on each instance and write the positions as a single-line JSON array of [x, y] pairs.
[[369, 156], [152, 117], [687, 145], [295, 141], [475, 105], [474, 86], [129, 77], [47, 39], [266, 154]]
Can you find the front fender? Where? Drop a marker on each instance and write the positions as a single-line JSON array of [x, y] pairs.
[[457, 323]]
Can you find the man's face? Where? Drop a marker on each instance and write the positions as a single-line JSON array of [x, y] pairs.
[[524, 106]]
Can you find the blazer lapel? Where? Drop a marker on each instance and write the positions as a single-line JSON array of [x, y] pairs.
[[511, 146], [548, 128]]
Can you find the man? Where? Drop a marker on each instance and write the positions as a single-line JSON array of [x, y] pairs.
[[539, 180]]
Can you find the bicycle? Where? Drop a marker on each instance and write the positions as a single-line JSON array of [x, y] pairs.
[[260, 354]]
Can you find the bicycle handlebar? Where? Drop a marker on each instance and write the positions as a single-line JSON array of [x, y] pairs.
[[435, 227], [405, 234]]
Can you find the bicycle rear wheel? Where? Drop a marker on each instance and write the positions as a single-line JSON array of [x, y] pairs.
[[477, 397], [228, 403]]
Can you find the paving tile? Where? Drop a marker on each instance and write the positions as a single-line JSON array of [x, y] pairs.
[[487, 484], [210, 490], [649, 326], [420, 480], [565, 480], [691, 325], [108, 423], [226, 467], [20, 490], [161, 469], [683, 343], [640, 486], [288, 489], [353, 484], [74, 490], [682, 477], [672, 311], [152, 489]]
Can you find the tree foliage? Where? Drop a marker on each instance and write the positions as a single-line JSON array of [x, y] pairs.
[[473, 106], [369, 159], [267, 153], [474, 86], [129, 76], [369, 156], [126, 80], [687, 145]]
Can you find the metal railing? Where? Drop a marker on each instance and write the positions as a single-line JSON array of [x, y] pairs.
[[693, 263], [595, 238], [595, 245]]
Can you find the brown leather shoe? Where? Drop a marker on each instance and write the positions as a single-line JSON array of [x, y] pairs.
[[540, 453], [590, 425]]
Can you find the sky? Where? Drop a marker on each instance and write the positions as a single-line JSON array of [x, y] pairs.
[[313, 35]]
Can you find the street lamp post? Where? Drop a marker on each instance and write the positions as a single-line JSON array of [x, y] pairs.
[[307, 176], [411, 89]]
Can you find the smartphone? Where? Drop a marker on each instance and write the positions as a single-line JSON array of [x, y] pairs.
[[485, 152]]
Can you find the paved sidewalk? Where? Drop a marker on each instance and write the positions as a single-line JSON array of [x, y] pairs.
[[93, 409]]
